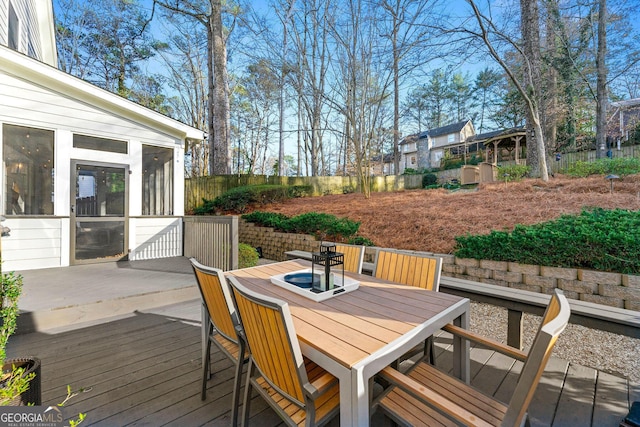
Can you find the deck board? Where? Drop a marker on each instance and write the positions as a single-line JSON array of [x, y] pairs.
[[144, 370], [575, 407], [610, 391]]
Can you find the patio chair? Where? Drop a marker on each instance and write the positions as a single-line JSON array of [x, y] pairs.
[[413, 269], [427, 396], [223, 327], [353, 256], [301, 392]]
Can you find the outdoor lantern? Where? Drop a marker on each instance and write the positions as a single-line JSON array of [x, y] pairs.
[[327, 258], [611, 177]]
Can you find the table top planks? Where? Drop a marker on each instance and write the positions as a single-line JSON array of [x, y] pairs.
[[353, 325]]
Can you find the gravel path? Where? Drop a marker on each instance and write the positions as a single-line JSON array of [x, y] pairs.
[[615, 354]]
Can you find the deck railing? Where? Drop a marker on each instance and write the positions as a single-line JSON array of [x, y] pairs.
[[212, 240]]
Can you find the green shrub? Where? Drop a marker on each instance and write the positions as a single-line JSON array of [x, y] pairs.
[[266, 219], [321, 225], [240, 198], [512, 173], [598, 239], [359, 240], [247, 256], [429, 179], [621, 166], [410, 171]]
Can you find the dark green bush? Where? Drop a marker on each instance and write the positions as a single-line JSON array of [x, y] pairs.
[[512, 173], [359, 240], [266, 219], [320, 225], [240, 198], [619, 166], [598, 239], [429, 179]]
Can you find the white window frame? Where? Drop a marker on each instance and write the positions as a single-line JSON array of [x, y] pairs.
[[13, 28]]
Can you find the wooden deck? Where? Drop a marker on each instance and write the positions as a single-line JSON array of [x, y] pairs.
[[144, 369]]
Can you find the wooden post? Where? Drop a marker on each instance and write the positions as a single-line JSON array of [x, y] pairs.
[[514, 328]]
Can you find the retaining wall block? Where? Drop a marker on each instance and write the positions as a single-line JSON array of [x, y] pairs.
[[632, 305], [479, 273], [559, 272], [447, 259], [531, 269], [452, 269], [507, 276], [543, 282], [468, 262], [571, 294], [621, 292], [631, 281], [494, 265], [599, 299], [578, 286], [600, 277]]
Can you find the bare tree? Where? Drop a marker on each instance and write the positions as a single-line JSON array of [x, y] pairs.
[[209, 14], [404, 26], [601, 84], [487, 29]]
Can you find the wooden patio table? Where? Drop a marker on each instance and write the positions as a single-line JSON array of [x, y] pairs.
[[354, 335]]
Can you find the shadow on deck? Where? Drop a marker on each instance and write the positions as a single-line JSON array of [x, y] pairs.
[[144, 369]]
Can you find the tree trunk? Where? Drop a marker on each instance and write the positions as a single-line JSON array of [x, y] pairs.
[[536, 152], [601, 89], [220, 158]]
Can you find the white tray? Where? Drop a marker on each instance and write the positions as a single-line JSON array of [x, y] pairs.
[[339, 287]]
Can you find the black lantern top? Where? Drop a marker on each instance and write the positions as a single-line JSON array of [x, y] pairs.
[[327, 257]]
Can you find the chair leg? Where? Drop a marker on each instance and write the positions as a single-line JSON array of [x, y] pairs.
[[235, 400], [206, 368], [247, 395], [430, 350]]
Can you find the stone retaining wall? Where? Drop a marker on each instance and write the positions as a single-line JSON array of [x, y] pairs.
[[613, 289]]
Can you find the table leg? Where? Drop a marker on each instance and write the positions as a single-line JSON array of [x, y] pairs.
[[360, 397], [461, 362]]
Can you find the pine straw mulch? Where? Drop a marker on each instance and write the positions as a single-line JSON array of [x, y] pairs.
[[428, 220]]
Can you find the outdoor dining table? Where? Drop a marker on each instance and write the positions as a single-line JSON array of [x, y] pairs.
[[354, 335]]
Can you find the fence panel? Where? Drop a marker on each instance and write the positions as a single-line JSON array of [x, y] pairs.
[[212, 240]]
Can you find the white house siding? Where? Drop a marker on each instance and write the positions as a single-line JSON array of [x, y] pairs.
[[26, 104], [30, 37], [155, 237], [4, 22], [35, 243]]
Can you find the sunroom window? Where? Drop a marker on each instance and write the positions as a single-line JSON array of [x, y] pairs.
[[28, 170], [157, 180]]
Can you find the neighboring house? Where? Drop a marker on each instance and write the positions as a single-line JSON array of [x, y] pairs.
[[382, 165], [87, 175], [426, 149], [624, 120]]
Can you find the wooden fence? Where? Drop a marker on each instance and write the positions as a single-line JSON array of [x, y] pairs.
[[212, 240], [210, 187]]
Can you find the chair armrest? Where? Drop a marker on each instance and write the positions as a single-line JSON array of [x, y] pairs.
[[320, 384], [487, 342], [430, 397]]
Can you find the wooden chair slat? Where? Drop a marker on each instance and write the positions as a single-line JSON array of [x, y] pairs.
[[216, 298], [425, 388], [292, 385]]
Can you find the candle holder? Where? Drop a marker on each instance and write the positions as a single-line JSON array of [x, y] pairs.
[[323, 261]]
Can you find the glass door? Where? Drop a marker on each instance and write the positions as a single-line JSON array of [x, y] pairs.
[[99, 212]]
